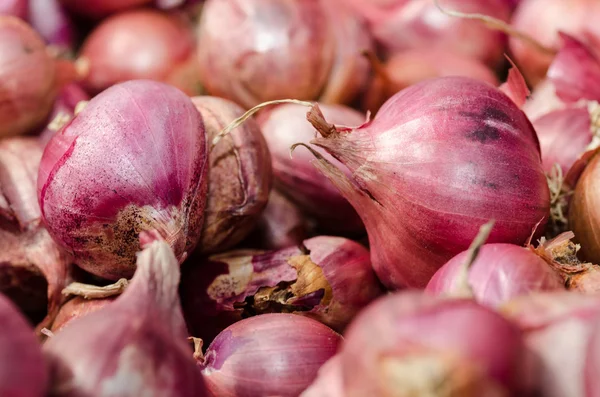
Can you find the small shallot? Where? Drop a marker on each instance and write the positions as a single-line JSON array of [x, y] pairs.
[[75, 308]]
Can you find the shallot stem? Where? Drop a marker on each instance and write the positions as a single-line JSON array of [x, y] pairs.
[[88, 291], [198, 343], [472, 253], [240, 120], [497, 24]]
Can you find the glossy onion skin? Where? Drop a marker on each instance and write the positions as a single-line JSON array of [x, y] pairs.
[[584, 211], [271, 354], [134, 159], [285, 125], [440, 159], [142, 44], [239, 176], [387, 351], [499, 273], [23, 371]]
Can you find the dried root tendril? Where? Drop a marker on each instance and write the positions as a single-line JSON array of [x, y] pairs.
[[594, 111], [88, 291], [559, 200], [497, 24]]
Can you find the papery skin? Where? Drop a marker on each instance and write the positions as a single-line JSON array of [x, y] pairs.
[[34, 77], [438, 160], [134, 159], [33, 268], [564, 136], [499, 273], [214, 291], [583, 211], [412, 66], [51, 20], [399, 25], [252, 51], [281, 224], [136, 346], [23, 371], [16, 8], [387, 340], [329, 380], [96, 9], [285, 125], [75, 308], [142, 44], [239, 176], [543, 19], [557, 329], [271, 354], [64, 108]]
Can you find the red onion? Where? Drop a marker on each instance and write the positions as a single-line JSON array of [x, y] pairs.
[[22, 368], [557, 329], [239, 176], [15, 8], [413, 344], [542, 20], [34, 75], [101, 8], [272, 354], [399, 25], [133, 347], [76, 308], [329, 380], [281, 224], [133, 159], [33, 269], [64, 109], [409, 67], [499, 273], [251, 51], [142, 44], [286, 125], [329, 279], [439, 157], [49, 18]]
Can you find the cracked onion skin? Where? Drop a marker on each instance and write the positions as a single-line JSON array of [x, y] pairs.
[[134, 159], [239, 176], [329, 279], [23, 371]]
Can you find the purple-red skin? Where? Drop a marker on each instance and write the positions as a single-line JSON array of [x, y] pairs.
[[133, 347], [50, 19], [33, 268], [499, 273], [214, 291], [286, 125], [15, 8], [239, 176], [558, 329], [141, 44], [400, 25], [272, 354], [452, 336], [564, 134], [281, 224], [96, 9], [64, 106], [75, 308], [134, 159], [23, 371], [440, 158]]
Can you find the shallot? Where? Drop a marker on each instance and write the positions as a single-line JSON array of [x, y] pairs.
[[67, 101], [51, 21], [286, 125], [136, 346], [76, 308], [239, 177], [439, 157], [15, 8], [413, 344], [134, 159], [268, 355], [23, 371], [142, 44], [329, 279]]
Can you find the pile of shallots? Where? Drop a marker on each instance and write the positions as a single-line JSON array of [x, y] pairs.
[[316, 198]]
